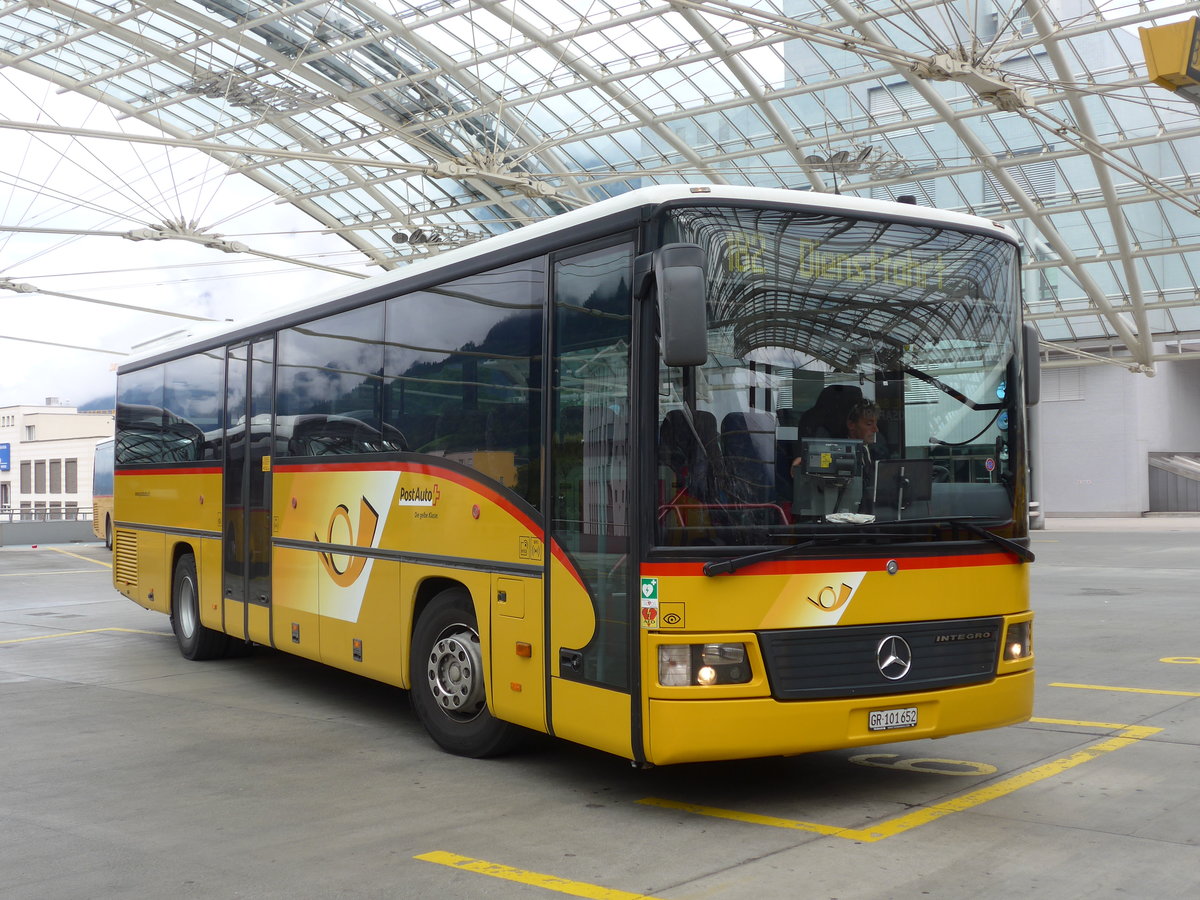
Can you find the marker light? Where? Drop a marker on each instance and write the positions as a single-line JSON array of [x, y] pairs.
[[681, 665], [674, 665], [1018, 641]]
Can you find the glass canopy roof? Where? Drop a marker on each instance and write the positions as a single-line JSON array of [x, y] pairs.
[[408, 127]]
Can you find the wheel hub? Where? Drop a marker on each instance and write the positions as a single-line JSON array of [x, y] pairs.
[[187, 613], [455, 673]]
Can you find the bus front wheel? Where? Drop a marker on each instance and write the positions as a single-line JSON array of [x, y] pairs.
[[446, 674], [195, 640]]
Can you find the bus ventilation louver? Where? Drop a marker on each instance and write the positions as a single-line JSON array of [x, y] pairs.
[[812, 663], [125, 567]]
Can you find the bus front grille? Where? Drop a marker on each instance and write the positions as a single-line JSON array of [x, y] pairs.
[[862, 660]]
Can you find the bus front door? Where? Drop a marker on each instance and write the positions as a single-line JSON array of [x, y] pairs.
[[588, 570], [249, 391]]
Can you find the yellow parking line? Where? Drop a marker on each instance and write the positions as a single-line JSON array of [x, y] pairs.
[[63, 634], [1125, 690], [522, 876], [753, 819], [98, 562], [1130, 734], [1107, 726]]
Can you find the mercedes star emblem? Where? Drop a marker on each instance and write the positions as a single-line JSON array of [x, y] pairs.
[[894, 657]]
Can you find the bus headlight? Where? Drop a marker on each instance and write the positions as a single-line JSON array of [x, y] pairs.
[[1018, 641], [683, 665]]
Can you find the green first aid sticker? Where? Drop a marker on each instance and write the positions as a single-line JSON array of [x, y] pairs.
[[649, 602]]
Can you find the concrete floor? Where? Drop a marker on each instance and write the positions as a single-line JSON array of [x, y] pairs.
[[126, 771]]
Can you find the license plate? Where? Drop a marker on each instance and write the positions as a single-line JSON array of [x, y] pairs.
[[887, 719]]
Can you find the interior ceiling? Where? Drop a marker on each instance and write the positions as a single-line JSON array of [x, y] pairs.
[[407, 127]]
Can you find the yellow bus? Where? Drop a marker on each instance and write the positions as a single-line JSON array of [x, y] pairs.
[[693, 473], [102, 493]]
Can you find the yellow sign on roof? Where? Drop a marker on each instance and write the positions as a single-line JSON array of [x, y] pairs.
[[1173, 54]]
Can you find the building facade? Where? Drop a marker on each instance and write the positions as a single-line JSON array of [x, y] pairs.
[[46, 458]]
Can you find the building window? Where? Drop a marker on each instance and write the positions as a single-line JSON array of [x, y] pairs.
[[1063, 384], [56, 476], [26, 477], [72, 509], [26, 510], [72, 476], [39, 476], [55, 509], [30, 433]]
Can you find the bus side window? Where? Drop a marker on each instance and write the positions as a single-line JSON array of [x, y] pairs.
[[462, 431], [462, 372]]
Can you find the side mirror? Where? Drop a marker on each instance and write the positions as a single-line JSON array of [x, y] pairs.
[[682, 323], [1032, 365]]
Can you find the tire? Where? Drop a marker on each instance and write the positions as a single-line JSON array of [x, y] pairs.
[[108, 532], [195, 640], [446, 672]]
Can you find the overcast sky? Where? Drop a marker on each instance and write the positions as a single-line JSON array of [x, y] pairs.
[[53, 182]]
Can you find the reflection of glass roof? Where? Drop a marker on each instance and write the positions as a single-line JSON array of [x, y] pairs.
[[810, 281], [410, 126]]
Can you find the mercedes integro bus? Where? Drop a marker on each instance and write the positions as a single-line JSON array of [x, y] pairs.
[[693, 473]]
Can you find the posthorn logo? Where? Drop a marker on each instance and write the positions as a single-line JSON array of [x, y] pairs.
[[342, 569]]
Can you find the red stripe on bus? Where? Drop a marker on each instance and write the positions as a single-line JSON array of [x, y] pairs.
[[818, 566], [560, 554], [380, 466], [458, 478], [205, 470], [422, 469]]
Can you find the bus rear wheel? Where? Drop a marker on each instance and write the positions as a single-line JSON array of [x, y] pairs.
[[195, 640], [446, 674], [108, 532]]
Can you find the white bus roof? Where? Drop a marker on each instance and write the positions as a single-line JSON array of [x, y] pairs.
[[647, 196]]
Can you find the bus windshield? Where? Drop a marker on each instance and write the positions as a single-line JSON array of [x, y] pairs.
[[860, 371]]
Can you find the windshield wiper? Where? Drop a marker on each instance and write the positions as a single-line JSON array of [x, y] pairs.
[[725, 566], [1022, 552]]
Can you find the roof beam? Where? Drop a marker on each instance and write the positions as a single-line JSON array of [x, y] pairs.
[[1032, 211], [620, 97], [1133, 287]]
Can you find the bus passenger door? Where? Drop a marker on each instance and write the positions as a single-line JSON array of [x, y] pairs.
[[249, 393], [588, 567]]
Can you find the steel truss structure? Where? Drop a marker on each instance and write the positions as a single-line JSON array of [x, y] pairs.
[[406, 127]]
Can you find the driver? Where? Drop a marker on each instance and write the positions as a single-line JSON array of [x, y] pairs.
[[862, 422]]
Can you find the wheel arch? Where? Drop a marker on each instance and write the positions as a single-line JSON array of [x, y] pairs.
[[427, 590]]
